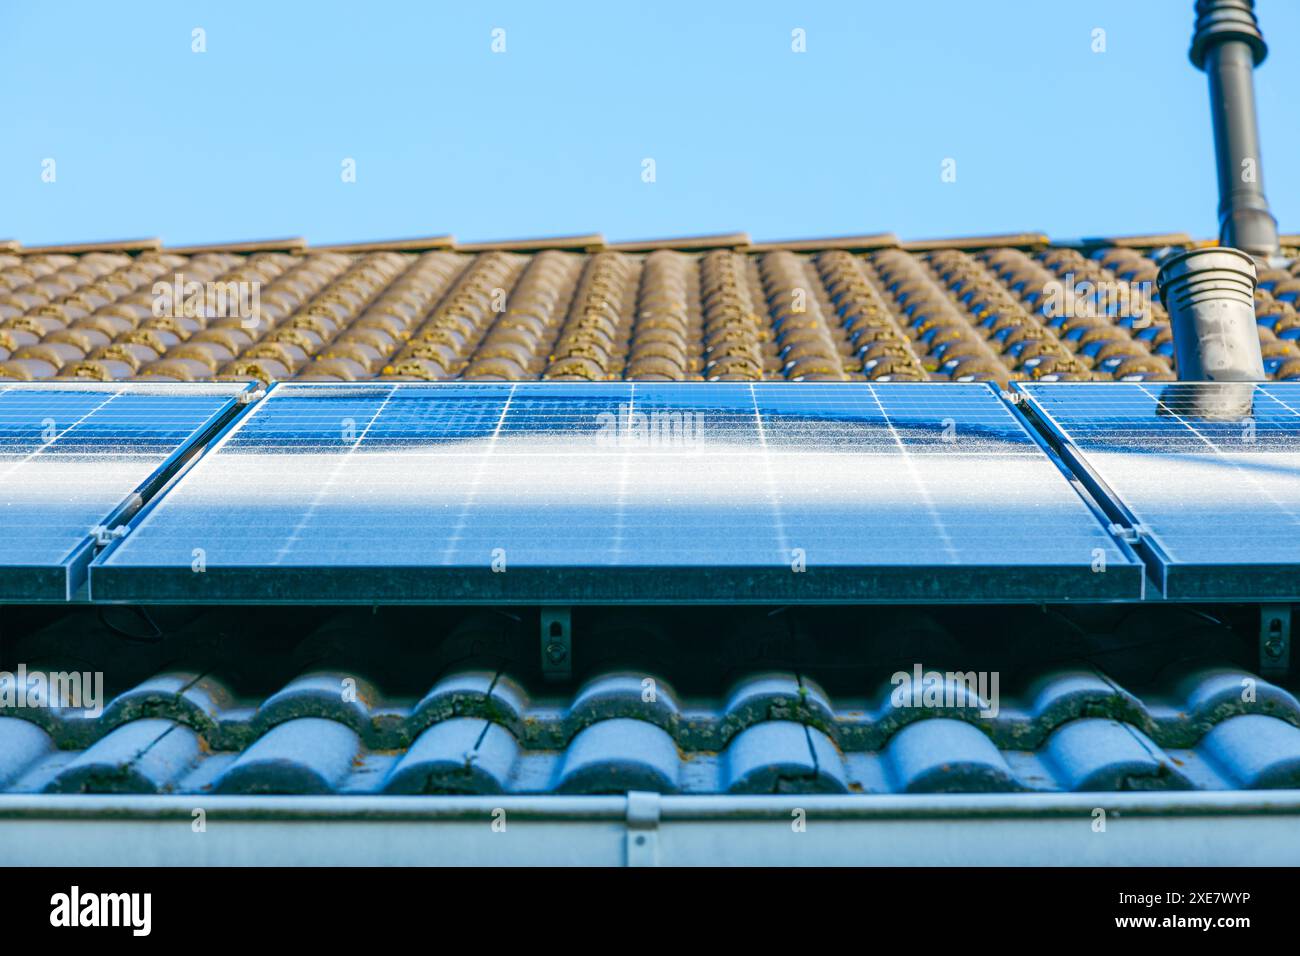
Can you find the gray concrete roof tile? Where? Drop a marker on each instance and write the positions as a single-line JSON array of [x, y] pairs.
[[1097, 754], [941, 755], [304, 755], [143, 756], [22, 743], [777, 756], [1256, 752], [613, 756], [478, 730], [460, 755]]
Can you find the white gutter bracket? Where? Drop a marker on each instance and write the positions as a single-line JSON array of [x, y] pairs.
[[643, 828]]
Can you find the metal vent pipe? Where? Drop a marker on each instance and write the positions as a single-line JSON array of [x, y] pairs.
[[1227, 45], [1210, 293]]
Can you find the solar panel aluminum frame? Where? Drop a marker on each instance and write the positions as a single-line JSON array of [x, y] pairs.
[[1094, 502], [254, 584], [67, 581], [1172, 580], [563, 587]]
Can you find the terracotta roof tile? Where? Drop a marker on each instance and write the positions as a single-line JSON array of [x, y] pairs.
[[577, 309]]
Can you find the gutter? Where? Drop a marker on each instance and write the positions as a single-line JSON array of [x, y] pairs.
[[1108, 829]]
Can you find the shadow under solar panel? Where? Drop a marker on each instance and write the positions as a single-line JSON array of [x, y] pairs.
[[590, 493], [1208, 475]]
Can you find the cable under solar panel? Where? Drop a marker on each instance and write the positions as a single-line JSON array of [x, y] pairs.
[[1208, 475], [648, 492], [74, 457]]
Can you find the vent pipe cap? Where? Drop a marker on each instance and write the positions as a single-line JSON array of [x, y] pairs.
[[1210, 297], [1220, 20]]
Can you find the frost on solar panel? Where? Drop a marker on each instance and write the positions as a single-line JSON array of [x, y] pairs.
[[1210, 474], [71, 455], [548, 492]]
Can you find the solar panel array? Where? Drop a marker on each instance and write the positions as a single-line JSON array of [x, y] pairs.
[[1210, 473], [618, 491], [71, 455]]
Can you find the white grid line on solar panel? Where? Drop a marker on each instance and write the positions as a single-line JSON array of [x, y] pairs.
[[620, 498], [30, 436], [73, 424], [1288, 511], [463, 516], [1209, 491], [933, 513], [70, 456], [693, 505], [922, 425], [1276, 394], [769, 479], [334, 475], [1143, 417]]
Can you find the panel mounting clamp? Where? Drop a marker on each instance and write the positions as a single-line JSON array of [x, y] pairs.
[[1274, 639], [642, 828], [104, 535], [248, 398], [1126, 533], [557, 643]]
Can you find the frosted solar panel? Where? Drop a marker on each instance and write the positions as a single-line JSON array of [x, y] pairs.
[[71, 455], [1208, 473], [549, 492]]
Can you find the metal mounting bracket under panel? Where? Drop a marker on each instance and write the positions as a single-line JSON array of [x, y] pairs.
[[557, 643], [1274, 639]]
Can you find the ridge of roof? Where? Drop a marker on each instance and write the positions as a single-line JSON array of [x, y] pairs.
[[584, 242], [722, 240], [860, 243], [739, 241], [294, 244], [1009, 240], [111, 245], [414, 244], [1154, 240]]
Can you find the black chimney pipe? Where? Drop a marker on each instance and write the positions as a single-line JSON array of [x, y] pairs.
[[1227, 45]]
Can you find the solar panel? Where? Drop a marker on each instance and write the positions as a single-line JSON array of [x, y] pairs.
[[77, 456], [651, 492], [1207, 474]]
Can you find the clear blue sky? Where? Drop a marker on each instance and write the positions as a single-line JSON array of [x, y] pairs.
[[247, 140]]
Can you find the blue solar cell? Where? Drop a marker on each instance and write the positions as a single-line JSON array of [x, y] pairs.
[[622, 491], [71, 455], [1210, 474]]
